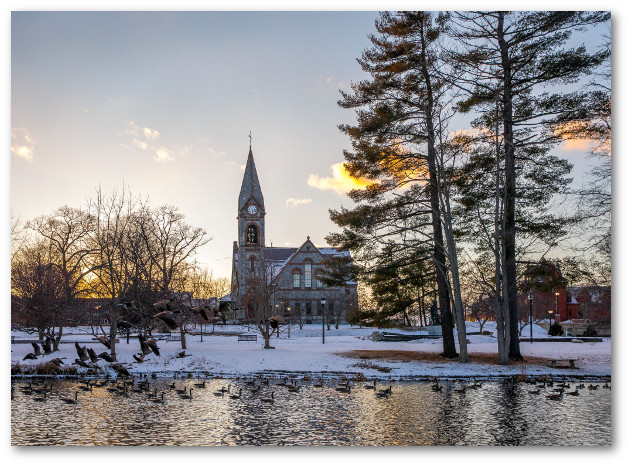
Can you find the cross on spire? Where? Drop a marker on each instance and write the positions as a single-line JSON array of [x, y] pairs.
[[250, 140]]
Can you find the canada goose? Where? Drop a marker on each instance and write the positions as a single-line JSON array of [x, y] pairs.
[[319, 383], [158, 401], [236, 396], [103, 340], [187, 396], [200, 385], [41, 399], [87, 387], [30, 356], [343, 387], [461, 390], [181, 391], [105, 356], [268, 400], [139, 359], [573, 393], [81, 352], [250, 382], [580, 386], [167, 319], [47, 346], [283, 382], [294, 388], [71, 401], [437, 387], [57, 361], [221, 392], [165, 305], [201, 310], [560, 389], [36, 350], [592, 387], [92, 355], [370, 386], [387, 391], [255, 389], [81, 363], [183, 354], [152, 395], [121, 370], [557, 396], [536, 391], [606, 386]]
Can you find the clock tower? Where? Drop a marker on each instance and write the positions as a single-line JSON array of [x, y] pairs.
[[251, 228]]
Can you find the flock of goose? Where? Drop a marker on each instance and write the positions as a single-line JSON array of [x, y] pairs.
[[262, 389]]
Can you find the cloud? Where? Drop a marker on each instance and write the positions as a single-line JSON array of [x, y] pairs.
[[22, 144], [292, 203], [150, 134], [162, 154], [341, 181], [140, 144]]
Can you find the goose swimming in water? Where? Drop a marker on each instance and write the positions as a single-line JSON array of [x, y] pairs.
[[71, 401]]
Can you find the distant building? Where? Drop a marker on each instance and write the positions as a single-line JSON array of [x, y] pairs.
[[293, 271]]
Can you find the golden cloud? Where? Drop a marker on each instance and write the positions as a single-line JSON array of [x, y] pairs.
[[292, 203], [341, 181]]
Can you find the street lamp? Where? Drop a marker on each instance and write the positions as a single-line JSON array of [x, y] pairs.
[[531, 319], [557, 294], [550, 313], [289, 312], [323, 313]]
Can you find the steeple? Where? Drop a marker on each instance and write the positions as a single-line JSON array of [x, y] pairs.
[[250, 186]]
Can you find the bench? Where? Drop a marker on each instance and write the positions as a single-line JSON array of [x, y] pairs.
[[176, 337], [247, 337], [554, 362]]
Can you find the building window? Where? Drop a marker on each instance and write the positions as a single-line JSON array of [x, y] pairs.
[[298, 310], [252, 234], [307, 274], [307, 310], [252, 261], [296, 279], [318, 283]]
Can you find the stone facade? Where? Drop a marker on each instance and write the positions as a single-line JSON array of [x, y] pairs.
[[293, 272]]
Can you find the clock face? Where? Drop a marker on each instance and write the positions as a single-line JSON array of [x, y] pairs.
[[252, 209]]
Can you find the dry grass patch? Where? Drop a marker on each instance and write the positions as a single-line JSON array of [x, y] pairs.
[[409, 356]]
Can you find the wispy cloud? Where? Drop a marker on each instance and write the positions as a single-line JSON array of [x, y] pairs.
[[150, 134], [22, 144], [292, 203], [341, 182], [145, 138]]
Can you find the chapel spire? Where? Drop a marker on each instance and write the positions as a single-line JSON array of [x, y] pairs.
[[250, 188]]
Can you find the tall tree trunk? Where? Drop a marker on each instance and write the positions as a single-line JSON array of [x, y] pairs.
[[448, 340], [510, 184], [113, 330]]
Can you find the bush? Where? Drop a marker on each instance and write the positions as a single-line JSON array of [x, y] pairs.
[[555, 330], [590, 331]]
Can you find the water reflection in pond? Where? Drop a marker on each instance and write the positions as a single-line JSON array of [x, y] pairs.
[[497, 413]]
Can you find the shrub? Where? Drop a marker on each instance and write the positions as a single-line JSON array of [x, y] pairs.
[[555, 330], [590, 331]]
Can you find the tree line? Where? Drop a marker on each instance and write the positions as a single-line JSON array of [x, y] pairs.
[[466, 212], [117, 251]]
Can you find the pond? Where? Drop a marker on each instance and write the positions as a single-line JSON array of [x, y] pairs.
[[496, 413]]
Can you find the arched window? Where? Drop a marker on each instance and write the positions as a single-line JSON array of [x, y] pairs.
[[318, 283], [296, 279], [252, 261], [252, 234], [307, 274]]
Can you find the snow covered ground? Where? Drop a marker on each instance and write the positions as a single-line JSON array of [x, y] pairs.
[[304, 352]]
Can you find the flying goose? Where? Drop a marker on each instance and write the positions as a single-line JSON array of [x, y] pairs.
[[105, 356], [81, 352], [36, 350]]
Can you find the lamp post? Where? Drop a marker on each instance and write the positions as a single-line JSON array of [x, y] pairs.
[[531, 319], [289, 312], [550, 313], [323, 313], [557, 294]]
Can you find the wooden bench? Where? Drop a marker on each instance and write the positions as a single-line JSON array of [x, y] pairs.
[[554, 362], [247, 337]]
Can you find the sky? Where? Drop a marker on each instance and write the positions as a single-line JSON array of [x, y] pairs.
[[163, 103]]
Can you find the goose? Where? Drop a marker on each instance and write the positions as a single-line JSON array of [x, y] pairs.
[[168, 319], [387, 391], [295, 388], [557, 396], [319, 384], [221, 392], [343, 387], [370, 386], [81, 352], [139, 359], [81, 363], [27, 389], [592, 387], [121, 370], [200, 385], [87, 387], [41, 399], [181, 391], [187, 396], [105, 356], [268, 400], [103, 340], [152, 395], [158, 401], [67, 400], [164, 305], [201, 310], [437, 387], [536, 391], [92, 355], [255, 389], [47, 346], [236, 396], [606, 386], [36, 350], [461, 390], [580, 386], [30, 356], [57, 362], [573, 393], [148, 345]]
